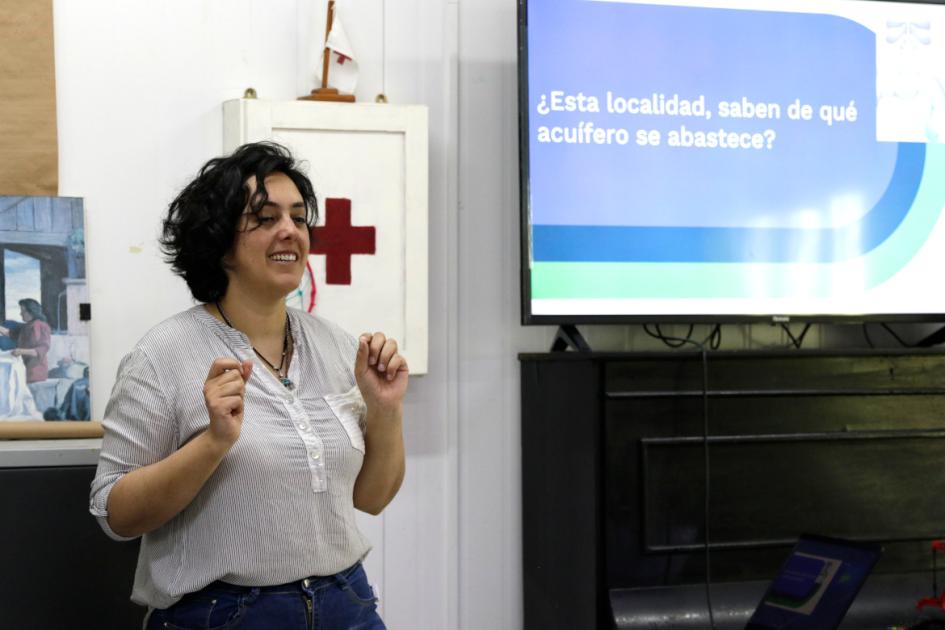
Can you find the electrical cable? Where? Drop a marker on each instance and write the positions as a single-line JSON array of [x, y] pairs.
[[669, 340], [705, 456], [679, 342], [714, 338], [866, 335], [646, 329]]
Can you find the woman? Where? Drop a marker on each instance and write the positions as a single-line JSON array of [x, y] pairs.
[[32, 340], [241, 435]]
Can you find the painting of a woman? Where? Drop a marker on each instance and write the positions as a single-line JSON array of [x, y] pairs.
[[32, 340]]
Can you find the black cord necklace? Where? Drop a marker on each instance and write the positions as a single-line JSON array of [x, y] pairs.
[[280, 373]]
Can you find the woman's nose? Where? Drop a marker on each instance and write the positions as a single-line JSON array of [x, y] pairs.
[[286, 226]]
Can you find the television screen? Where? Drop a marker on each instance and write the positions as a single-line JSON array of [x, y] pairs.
[[732, 160]]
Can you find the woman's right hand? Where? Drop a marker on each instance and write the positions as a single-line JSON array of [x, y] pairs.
[[223, 393]]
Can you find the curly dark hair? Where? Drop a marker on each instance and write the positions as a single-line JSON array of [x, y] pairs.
[[202, 222]]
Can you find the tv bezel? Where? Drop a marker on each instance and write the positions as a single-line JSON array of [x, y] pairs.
[[531, 319]]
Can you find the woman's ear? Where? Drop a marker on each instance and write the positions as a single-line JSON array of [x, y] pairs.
[[226, 262]]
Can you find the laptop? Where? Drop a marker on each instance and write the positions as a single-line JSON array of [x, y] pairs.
[[816, 584]]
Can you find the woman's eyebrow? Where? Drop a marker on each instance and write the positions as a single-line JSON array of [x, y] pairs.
[[273, 204]]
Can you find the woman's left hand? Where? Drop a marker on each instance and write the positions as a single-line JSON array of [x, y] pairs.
[[381, 372]]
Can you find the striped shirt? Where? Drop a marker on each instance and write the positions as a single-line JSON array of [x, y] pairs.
[[280, 505]]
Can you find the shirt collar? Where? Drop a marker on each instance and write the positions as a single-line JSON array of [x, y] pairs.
[[233, 336], [229, 335]]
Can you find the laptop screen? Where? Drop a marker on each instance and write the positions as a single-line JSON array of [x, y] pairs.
[[816, 584]]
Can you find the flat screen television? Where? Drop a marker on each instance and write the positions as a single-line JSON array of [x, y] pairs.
[[732, 160]]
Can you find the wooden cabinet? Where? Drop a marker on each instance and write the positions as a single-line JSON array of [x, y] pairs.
[[59, 569], [614, 469]]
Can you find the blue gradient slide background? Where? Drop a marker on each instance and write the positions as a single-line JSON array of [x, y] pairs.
[[820, 194]]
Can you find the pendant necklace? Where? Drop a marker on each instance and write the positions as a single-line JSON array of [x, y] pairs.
[[279, 370]]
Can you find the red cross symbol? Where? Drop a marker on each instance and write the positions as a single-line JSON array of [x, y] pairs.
[[338, 240], [342, 58]]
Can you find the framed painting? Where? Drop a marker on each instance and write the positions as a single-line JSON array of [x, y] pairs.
[[44, 332]]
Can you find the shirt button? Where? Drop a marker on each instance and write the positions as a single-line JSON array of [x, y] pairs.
[[314, 455], [302, 426]]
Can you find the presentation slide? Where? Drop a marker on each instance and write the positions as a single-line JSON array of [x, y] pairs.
[[782, 157]]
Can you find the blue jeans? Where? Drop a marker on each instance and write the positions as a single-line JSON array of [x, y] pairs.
[[344, 601]]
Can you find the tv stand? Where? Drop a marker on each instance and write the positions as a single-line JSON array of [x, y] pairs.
[[569, 336], [836, 443], [933, 339]]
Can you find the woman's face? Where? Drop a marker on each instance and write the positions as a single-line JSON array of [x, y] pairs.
[[25, 315], [271, 248]]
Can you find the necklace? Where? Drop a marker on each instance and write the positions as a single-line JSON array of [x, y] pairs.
[[280, 372]]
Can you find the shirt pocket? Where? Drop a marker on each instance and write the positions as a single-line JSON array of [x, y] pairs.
[[349, 408]]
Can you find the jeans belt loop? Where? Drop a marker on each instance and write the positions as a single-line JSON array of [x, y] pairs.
[[252, 595], [342, 581]]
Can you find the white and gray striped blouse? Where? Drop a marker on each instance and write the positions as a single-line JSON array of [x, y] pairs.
[[279, 507]]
